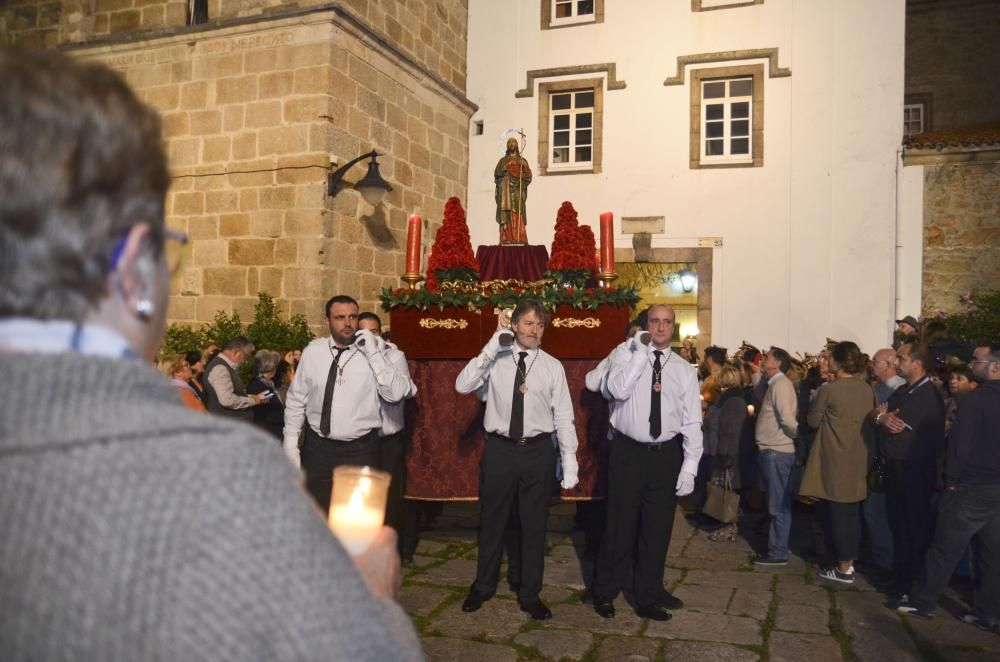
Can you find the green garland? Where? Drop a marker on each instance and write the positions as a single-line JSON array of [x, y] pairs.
[[589, 298]]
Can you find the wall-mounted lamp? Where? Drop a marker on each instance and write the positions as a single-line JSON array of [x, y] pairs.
[[688, 279], [372, 187]]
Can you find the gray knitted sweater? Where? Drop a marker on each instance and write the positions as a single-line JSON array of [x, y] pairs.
[[134, 529]]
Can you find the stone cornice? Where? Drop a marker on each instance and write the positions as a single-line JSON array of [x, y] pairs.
[[683, 61], [341, 18], [610, 68], [987, 154]]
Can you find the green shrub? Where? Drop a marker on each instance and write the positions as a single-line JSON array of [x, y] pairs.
[[979, 323], [267, 331]]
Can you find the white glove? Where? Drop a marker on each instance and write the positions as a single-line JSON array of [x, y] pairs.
[[370, 345], [637, 345], [569, 471], [685, 483], [493, 347]]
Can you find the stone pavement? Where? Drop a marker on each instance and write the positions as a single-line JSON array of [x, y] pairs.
[[734, 612]]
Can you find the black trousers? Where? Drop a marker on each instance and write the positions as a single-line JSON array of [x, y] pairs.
[[522, 476], [842, 528], [321, 456], [966, 511], [642, 500], [908, 486], [392, 451]]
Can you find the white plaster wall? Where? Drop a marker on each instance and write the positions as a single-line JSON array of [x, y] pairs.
[[808, 237]]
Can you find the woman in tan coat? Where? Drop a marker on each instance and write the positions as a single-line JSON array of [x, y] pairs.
[[838, 459]]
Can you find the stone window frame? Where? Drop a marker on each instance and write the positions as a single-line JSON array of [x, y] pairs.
[[548, 23], [697, 76], [700, 6], [545, 90]]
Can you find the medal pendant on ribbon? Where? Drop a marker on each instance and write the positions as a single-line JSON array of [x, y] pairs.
[[657, 388], [340, 377], [524, 388]]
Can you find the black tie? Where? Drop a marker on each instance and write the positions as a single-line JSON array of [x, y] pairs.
[[331, 381], [517, 404], [654, 399]]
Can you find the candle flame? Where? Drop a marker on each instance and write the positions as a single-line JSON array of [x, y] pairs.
[[360, 493]]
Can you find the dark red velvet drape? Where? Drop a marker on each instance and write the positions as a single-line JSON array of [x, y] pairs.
[[503, 262]]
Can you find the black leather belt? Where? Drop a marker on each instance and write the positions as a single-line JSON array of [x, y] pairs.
[[523, 440], [650, 445]]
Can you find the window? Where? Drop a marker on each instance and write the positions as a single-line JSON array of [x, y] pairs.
[[917, 110], [725, 119], [913, 119], [572, 116], [729, 106], [569, 127], [561, 13]]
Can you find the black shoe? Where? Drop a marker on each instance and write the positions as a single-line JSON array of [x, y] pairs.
[[604, 608], [537, 610], [474, 601], [653, 613], [668, 601]]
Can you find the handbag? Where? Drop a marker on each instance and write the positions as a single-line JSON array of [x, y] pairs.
[[722, 503], [876, 475]]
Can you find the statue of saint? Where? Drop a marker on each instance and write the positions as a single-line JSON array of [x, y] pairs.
[[512, 176]]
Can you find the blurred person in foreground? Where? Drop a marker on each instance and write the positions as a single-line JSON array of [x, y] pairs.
[[132, 527]]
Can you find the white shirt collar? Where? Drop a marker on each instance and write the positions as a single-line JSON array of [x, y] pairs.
[[24, 334]]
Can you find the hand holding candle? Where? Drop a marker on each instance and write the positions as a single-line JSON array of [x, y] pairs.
[[357, 506]]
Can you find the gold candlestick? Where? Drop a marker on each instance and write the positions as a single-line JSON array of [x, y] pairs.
[[411, 278], [608, 277]]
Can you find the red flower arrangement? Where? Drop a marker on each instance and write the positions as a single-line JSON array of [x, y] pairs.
[[573, 247], [451, 255]]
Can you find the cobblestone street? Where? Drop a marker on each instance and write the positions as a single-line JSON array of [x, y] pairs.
[[733, 611]]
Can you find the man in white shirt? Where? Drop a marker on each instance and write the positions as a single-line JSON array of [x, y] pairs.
[[527, 399], [392, 444], [654, 459], [335, 400]]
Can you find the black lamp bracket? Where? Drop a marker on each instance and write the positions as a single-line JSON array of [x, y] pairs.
[[334, 178]]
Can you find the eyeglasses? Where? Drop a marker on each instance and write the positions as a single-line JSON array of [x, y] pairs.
[[174, 242]]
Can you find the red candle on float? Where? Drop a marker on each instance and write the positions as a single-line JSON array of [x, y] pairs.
[[607, 242], [413, 244]]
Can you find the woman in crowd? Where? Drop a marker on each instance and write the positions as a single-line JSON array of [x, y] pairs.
[[838, 460], [269, 416], [197, 368], [727, 436], [178, 370]]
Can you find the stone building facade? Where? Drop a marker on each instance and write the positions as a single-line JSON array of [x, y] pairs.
[[256, 103], [951, 61], [950, 195]]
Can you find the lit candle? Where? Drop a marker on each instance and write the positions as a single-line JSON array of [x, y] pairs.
[[607, 242], [750, 410], [355, 523], [357, 506], [413, 244]]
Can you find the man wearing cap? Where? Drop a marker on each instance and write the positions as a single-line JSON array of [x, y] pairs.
[[654, 458], [527, 400], [907, 330]]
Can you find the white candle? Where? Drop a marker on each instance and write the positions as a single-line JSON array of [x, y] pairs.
[[355, 523]]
